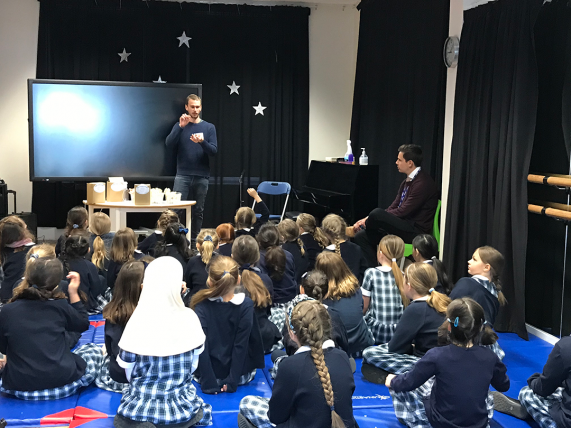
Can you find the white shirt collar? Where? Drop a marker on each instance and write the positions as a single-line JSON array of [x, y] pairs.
[[330, 247], [327, 344], [238, 299], [414, 173], [481, 277], [305, 233], [384, 268], [158, 232], [422, 299], [427, 261], [247, 229], [222, 243]]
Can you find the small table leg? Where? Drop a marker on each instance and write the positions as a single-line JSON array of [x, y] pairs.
[[188, 221], [115, 216]]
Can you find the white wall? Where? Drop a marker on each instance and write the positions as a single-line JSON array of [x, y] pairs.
[[18, 48], [333, 38]]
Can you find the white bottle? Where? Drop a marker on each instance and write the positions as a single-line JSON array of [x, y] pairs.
[[349, 154], [364, 159]]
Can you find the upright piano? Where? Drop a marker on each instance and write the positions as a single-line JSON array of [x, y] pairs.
[[352, 191]]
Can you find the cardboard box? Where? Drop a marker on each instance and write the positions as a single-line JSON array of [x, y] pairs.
[[116, 191], [142, 194], [96, 193]]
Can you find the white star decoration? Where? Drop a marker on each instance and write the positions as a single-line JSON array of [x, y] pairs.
[[183, 40], [124, 55], [160, 80], [259, 109], [233, 88]]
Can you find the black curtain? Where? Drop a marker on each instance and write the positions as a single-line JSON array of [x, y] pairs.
[[262, 49], [400, 85], [494, 122], [552, 142]]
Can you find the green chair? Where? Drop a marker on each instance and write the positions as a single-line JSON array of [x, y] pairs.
[[435, 231]]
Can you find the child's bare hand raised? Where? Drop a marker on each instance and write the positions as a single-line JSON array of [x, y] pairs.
[[254, 194]]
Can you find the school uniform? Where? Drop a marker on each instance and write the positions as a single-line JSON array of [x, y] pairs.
[[13, 266], [41, 365], [91, 284], [171, 250], [480, 289], [115, 268], [112, 376], [385, 305], [350, 310], [449, 388], [353, 257], [301, 262], [255, 228], [547, 398], [147, 245], [233, 349], [418, 325], [225, 249], [297, 397], [312, 249], [195, 276]]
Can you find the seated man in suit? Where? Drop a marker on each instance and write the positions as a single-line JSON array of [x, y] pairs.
[[410, 214]]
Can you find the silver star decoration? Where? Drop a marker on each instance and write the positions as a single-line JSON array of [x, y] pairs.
[[183, 40], [233, 88], [259, 109], [124, 55], [160, 80]]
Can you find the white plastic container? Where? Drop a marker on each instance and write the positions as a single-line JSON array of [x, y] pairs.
[[364, 159]]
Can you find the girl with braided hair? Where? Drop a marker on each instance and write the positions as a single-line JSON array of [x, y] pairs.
[[484, 285], [147, 246], [289, 234], [233, 349], [313, 387], [195, 272], [313, 238], [334, 227], [449, 385]]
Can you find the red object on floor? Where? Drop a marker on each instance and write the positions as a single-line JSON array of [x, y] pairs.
[[82, 415], [62, 417], [97, 323]]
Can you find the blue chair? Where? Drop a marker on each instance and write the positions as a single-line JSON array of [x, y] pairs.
[[274, 188]]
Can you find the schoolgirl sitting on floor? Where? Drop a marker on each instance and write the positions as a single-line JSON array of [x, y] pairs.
[[92, 286], [345, 296], [195, 272], [40, 365], [449, 386], [417, 330], [314, 387], [159, 351], [313, 238], [116, 314], [425, 250], [15, 241], [484, 286], [174, 244], [147, 246], [77, 222], [280, 266], [289, 234], [258, 286], [245, 219], [383, 290], [233, 349], [334, 227], [100, 241], [123, 250], [226, 235]]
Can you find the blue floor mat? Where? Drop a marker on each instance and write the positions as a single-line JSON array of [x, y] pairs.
[[99, 400], [376, 418], [99, 335], [98, 317], [21, 413]]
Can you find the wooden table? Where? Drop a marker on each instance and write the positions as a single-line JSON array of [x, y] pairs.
[[118, 211]]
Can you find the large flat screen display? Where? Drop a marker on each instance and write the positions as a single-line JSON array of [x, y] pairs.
[[82, 130]]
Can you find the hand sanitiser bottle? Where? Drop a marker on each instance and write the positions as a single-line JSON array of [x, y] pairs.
[[364, 159], [349, 155]]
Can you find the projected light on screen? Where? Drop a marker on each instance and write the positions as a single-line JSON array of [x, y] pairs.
[[69, 111]]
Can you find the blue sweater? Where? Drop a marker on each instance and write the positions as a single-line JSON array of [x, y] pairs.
[[192, 158]]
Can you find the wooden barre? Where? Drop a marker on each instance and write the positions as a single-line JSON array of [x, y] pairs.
[[552, 180], [551, 212]]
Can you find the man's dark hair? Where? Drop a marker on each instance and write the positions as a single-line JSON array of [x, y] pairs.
[[411, 152], [194, 98]]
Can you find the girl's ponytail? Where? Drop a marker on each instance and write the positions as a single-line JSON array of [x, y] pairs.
[[495, 259], [223, 274], [393, 248], [99, 253], [438, 301], [465, 324], [422, 278], [207, 241]]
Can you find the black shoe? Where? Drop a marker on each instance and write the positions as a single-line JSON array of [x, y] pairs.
[[374, 374], [509, 406], [243, 422], [196, 419]]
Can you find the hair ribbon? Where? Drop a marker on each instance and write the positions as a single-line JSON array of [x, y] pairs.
[[182, 229], [75, 226], [206, 238], [456, 320]]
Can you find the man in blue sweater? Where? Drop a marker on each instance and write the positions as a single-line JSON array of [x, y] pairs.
[[194, 140]]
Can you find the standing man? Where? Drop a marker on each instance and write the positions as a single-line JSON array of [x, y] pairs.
[[410, 214], [195, 140]]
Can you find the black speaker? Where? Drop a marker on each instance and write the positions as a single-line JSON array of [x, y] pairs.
[[3, 199]]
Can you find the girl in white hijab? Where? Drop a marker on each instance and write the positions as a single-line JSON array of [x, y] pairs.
[[159, 352]]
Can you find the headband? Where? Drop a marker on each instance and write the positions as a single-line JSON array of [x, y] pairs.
[[206, 238], [456, 320], [182, 229]]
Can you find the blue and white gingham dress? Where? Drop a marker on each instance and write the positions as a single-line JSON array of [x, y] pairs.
[[161, 391], [385, 307]]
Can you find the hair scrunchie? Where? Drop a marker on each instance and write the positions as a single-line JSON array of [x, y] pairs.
[[207, 238], [431, 290], [456, 320], [34, 256], [433, 258], [75, 226], [394, 260]]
